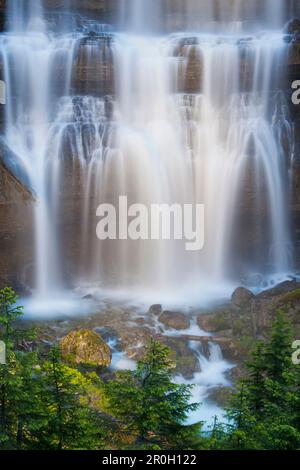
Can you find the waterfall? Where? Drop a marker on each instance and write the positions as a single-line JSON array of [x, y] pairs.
[[31, 58], [211, 15], [167, 147], [163, 118], [213, 373], [25, 15]]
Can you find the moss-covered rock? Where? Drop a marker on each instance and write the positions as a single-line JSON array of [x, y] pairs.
[[85, 347], [175, 320], [215, 322], [291, 298], [185, 358], [221, 396]]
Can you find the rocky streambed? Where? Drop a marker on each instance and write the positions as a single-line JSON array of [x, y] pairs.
[[209, 346]]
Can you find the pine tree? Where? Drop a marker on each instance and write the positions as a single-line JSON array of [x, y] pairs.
[[262, 409], [18, 398], [278, 350], [10, 377], [71, 423], [150, 405]]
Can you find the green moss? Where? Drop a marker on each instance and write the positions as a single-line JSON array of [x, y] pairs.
[[242, 327], [221, 396], [244, 345], [291, 297], [186, 365], [85, 347], [220, 322]]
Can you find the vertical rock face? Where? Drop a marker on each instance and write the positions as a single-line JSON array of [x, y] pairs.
[[16, 221], [293, 73], [2, 14]]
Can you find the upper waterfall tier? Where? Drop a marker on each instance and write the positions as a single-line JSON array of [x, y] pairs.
[[190, 118], [155, 16]]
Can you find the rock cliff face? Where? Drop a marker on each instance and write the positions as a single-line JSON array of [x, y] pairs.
[[16, 221], [294, 74]]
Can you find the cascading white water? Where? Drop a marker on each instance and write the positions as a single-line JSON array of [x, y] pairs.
[[153, 142], [30, 57], [208, 15], [212, 374], [170, 148]]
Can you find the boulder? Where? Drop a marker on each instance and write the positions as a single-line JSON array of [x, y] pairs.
[[187, 362], [293, 26], [85, 347], [155, 310], [214, 322], [221, 395], [174, 320], [280, 289], [241, 297]]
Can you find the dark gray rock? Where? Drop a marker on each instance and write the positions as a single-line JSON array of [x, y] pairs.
[[155, 310], [241, 297]]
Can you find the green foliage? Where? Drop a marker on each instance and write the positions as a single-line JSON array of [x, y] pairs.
[[149, 405], [291, 297], [220, 322], [71, 423], [262, 411], [17, 384], [43, 404]]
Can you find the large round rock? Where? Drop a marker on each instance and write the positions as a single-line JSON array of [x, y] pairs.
[[241, 297], [174, 320], [85, 347]]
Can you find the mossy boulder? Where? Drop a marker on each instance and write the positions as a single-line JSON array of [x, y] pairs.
[[85, 347], [185, 359], [214, 322], [221, 395], [174, 320]]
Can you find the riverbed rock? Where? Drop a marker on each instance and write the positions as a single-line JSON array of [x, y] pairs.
[[221, 395], [155, 310], [241, 297], [174, 320], [214, 322], [85, 347], [280, 289], [293, 26], [186, 360]]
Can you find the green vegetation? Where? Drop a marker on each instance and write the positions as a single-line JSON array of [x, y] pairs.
[[290, 297], [149, 406], [264, 411], [46, 403]]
